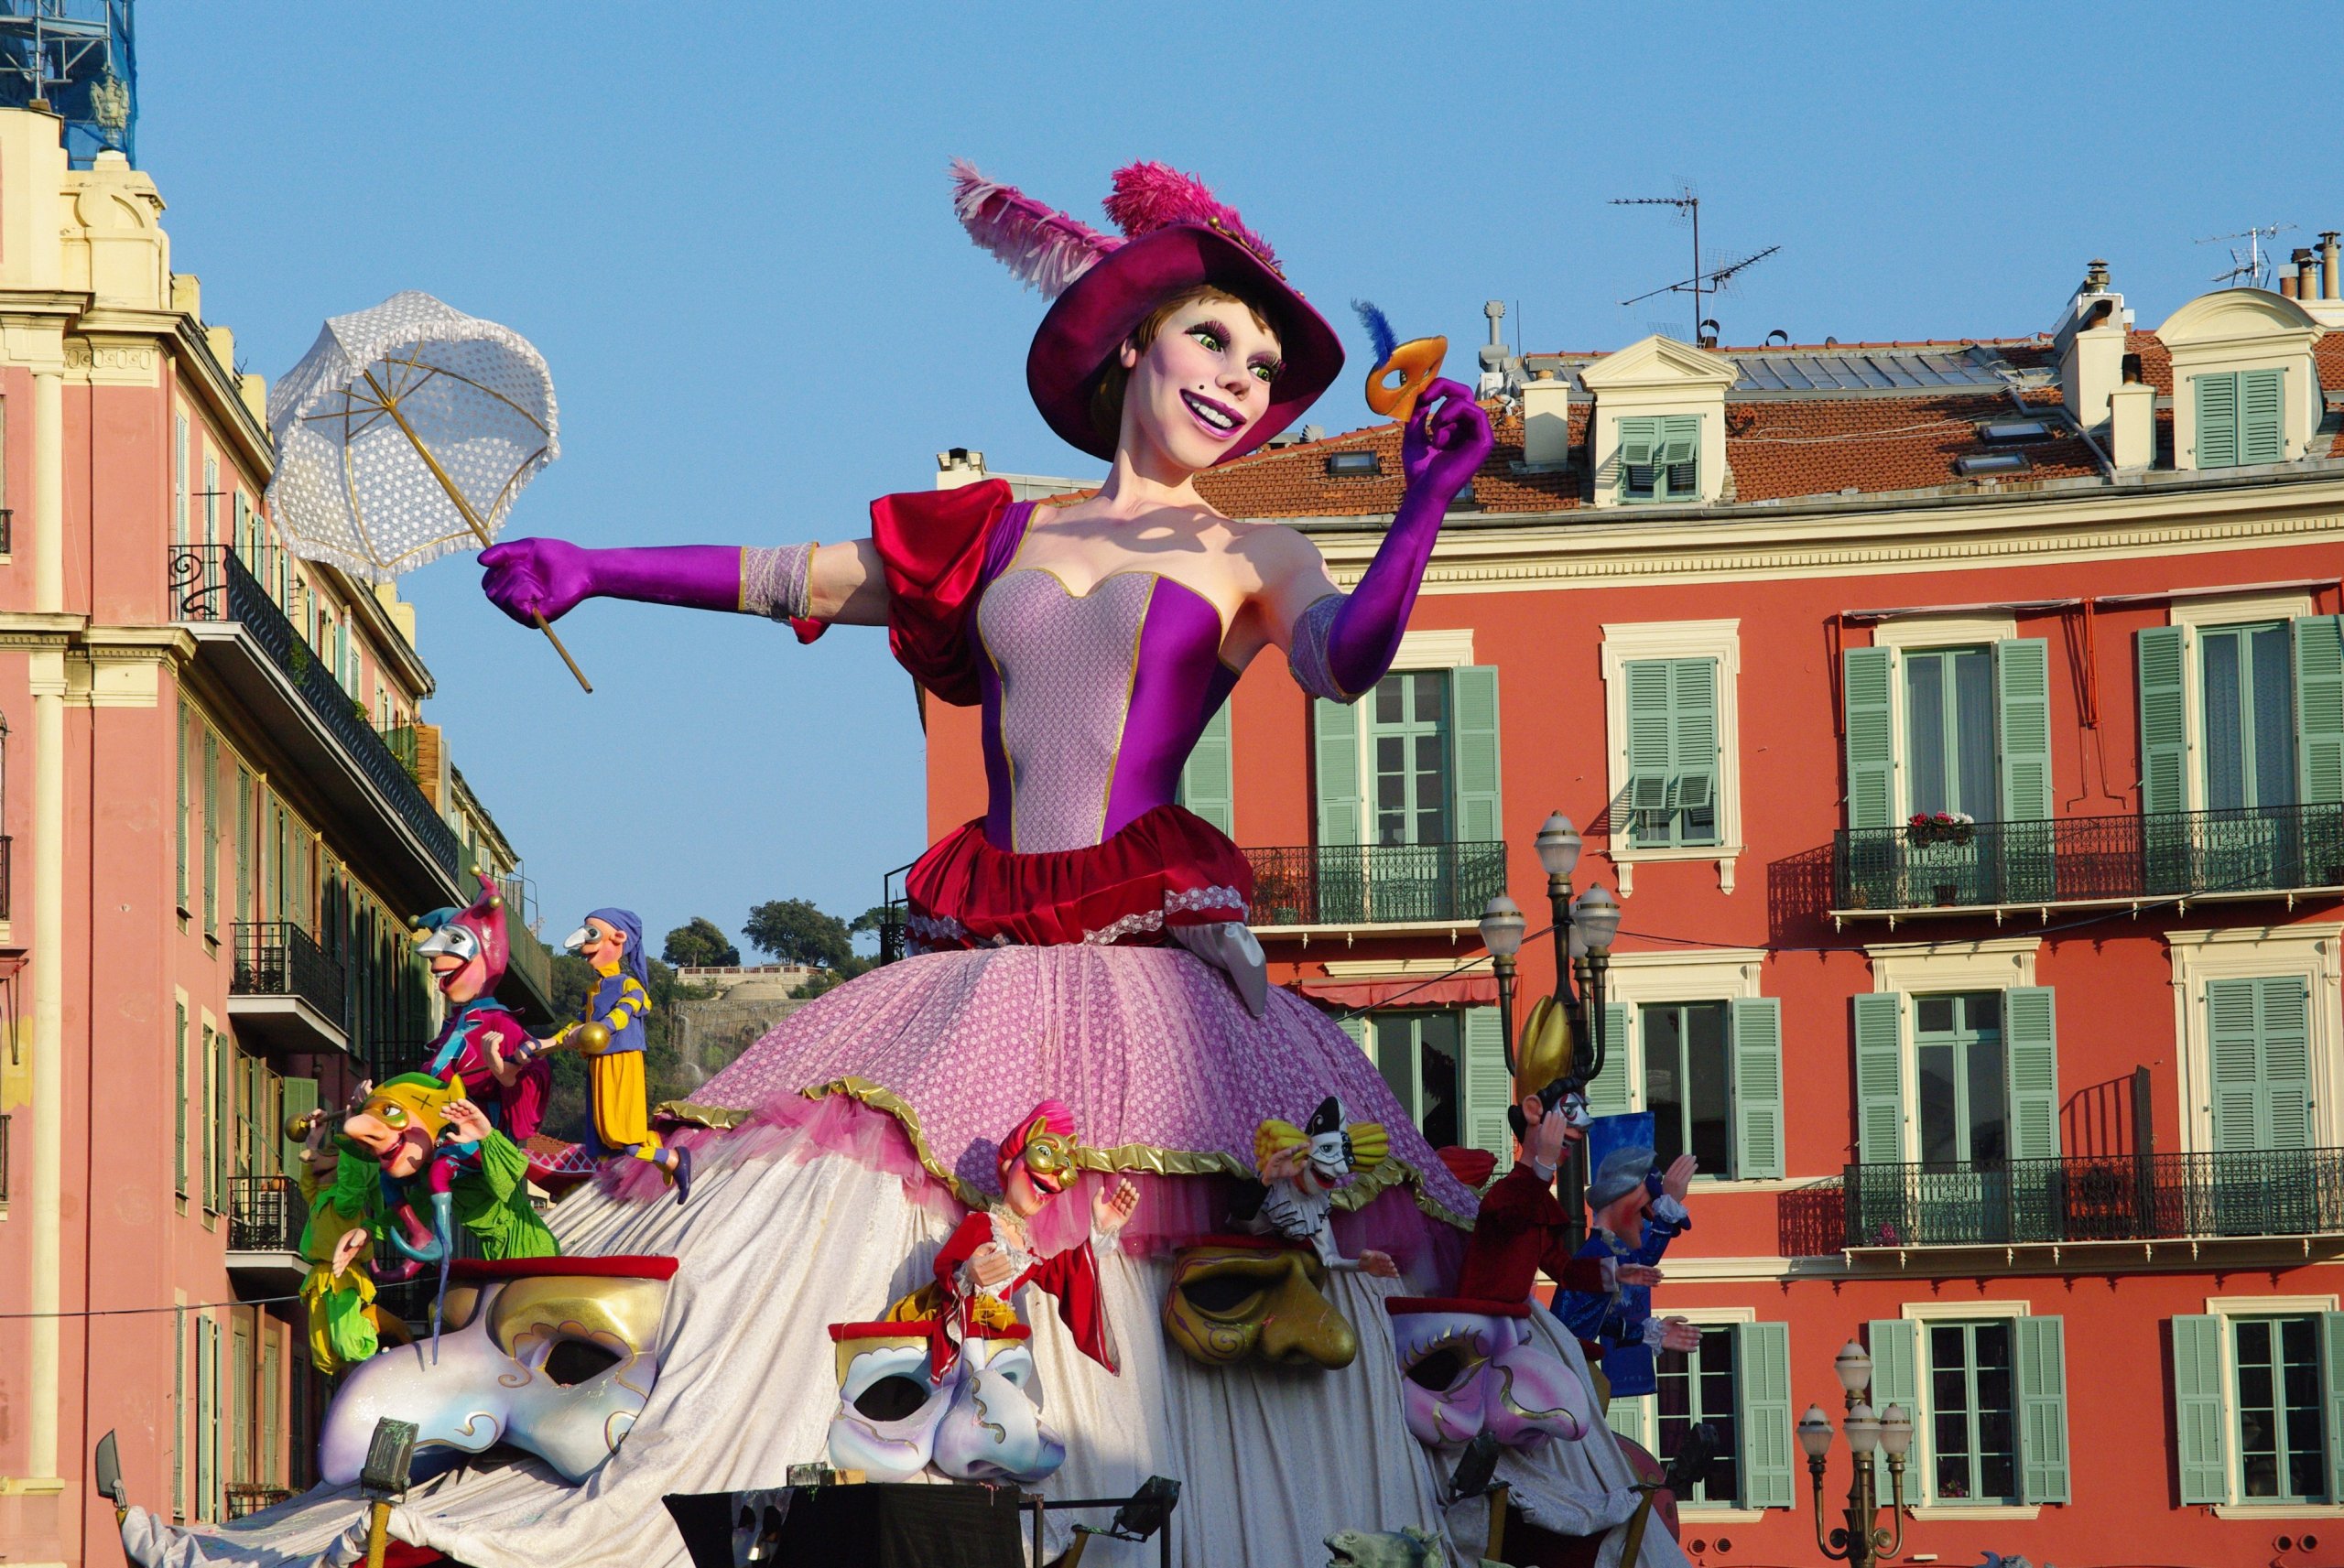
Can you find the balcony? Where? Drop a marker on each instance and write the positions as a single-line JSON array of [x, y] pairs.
[[1397, 887], [2185, 1203], [2004, 867], [250, 645], [283, 990], [265, 1216]]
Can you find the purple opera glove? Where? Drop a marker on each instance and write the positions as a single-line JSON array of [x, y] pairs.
[[525, 578], [1345, 643]]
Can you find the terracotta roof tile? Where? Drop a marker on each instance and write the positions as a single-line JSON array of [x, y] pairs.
[[1818, 447]]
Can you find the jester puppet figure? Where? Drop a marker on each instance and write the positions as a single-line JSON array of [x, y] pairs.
[[444, 1165], [482, 1045], [609, 1033], [991, 1257]]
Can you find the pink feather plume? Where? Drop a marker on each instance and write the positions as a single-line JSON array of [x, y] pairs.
[[1152, 196], [1044, 248]]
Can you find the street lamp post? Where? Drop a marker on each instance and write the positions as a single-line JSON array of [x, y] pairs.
[[1861, 1542], [1583, 929], [1501, 928]]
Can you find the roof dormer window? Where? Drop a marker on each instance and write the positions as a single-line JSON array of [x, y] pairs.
[[1660, 459]]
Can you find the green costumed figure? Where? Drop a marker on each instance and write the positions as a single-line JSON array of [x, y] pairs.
[[443, 1165], [343, 1194]]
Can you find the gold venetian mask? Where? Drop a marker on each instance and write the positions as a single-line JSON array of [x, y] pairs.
[[1229, 1300]]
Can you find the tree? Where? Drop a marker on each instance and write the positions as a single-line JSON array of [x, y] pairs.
[[794, 931], [699, 944]]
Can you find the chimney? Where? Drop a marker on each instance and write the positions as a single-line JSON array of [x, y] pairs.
[[2091, 361], [2307, 273], [2132, 425], [2096, 275], [2332, 282], [1546, 420], [1495, 311], [2287, 285], [959, 467]]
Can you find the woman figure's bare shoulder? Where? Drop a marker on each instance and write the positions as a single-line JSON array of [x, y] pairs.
[[1272, 549]]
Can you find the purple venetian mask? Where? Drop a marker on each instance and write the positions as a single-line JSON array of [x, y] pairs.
[[1469, 1366]]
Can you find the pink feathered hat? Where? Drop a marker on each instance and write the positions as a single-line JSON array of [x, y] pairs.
[[1175, 237]]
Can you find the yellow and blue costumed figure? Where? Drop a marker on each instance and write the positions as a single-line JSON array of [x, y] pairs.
[[609, 1033]]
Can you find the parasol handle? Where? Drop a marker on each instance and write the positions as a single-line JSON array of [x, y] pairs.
[[390, 405]]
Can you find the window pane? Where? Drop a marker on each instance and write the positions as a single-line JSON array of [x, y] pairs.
[[2275, 717], [1387, 700], [2225, 735], [1709, 1098], [1664, 1079], [1976, 787], [1432, 696], [1983, 1010], [1940, 1128], [1437, 1073], [1924, 731], [1395, 1053], [1988, 1135], [1935, 1014]]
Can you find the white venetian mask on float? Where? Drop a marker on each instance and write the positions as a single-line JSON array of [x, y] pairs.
[[1467, 1366], [554, 1356], [982, 1422]]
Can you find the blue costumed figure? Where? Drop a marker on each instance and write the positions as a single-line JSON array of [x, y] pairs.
[[1637, 1210], [609, 1033]]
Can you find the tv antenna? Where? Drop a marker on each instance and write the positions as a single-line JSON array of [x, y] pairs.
[[1689, 205], [2250, 264]]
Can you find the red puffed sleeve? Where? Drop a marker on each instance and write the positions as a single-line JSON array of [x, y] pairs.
[[931, 545]]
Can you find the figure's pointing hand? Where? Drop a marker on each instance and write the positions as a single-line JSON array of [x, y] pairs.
[[528, 578]]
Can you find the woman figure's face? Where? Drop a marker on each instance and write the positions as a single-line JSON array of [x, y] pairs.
[[1198, 388]]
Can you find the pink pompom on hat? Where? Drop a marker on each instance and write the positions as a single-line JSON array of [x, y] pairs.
[[1177, 237]]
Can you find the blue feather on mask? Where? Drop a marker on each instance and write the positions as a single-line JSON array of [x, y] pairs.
[[1379, 330]]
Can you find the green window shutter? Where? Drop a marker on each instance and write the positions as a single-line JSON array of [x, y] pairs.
[[2319, 708], [1607, 1093], [210, 832], [2262, 432], [2286, 1061], [224, 1114], [1693, 718], [2260, 1033], [1355, 1026], [1869, 674], [1896, 1346], [1651, 747], [1639, 438], [185, 743], [1205, 783], [1488, 1087], [2041, 1410], [210, 1126], [1334, 728], [300, 1099], [179, 1103], [1629, 1418], [2235, 1035], [1761, 1353], [2200, 1424], [1879, 1079], [1678, 456], [1757, 1030], [2331, 1377], [2023, 693], [2033, 1065], [2216, 399], [1480, 811], [2160, 655]]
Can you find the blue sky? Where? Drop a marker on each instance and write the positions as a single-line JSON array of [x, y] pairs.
[[729, 235]]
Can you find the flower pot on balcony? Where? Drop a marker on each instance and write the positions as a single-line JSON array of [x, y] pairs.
[[1948, 894]]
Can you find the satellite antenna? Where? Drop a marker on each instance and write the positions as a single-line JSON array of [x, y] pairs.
[[1689, 205], [2250, 268]]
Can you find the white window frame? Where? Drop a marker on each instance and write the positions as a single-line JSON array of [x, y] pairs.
[[2257, 952], [1716, 1317], [1709, 974], [1919, 634], [2226, 1308], [1631, 642], [1928, 968], [1921, 1465], [2193, 616], [1448, 649]]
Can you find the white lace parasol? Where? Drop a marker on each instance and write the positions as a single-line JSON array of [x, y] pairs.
[[406, 432]]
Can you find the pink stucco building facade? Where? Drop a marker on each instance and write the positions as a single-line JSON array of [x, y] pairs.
[[221, 808]]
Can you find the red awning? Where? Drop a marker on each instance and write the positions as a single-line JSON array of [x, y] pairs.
[[1458, 990]]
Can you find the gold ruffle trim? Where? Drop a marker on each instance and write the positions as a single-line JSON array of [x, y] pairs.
[[1361, 1189]]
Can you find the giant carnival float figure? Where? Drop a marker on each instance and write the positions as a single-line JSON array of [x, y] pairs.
[[480, 1044], [609, 1033], [1084, 942], [1638, 1209]]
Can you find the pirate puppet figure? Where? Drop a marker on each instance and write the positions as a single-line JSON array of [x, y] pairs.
[[609, 1033], [444, 1165], [1637, 1208], [990, 1257], [482, 1047]]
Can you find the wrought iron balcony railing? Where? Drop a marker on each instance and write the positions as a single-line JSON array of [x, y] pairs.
[[265, 1213], [386, 1059], [248, 1498], [1375, 884], [1812, 1221], [2089, 860], [2109, 1197], [276, 957], [209, 582]]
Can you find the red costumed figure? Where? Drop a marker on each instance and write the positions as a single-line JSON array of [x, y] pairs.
[[481, 1045], [990, 1257]]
